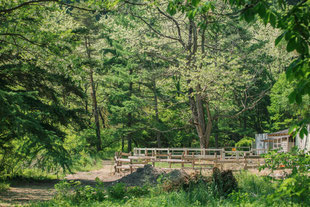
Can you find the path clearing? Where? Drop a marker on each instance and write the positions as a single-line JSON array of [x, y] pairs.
[[23, 193]]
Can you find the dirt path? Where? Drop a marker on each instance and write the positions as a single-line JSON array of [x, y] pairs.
[[23, 193]]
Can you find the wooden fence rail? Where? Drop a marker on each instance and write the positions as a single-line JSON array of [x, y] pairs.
[[196, 158]]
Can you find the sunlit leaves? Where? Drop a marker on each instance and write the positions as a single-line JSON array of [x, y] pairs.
[[190, 8], [294, 21]]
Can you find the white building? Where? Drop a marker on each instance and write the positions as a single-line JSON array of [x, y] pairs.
[[282, 141]]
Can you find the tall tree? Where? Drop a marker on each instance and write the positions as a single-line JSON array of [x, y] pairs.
[[198, 41], [32, 81]]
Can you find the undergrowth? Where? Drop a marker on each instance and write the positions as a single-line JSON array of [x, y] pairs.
[[244, 189], [4, 187], [31, 175]]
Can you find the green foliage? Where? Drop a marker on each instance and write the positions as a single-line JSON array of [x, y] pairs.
[[254, 185], [224, 182], [252, 191], [118, 191], [283, 114], [77, 193], [137, 191], [294, 189], [245, 142], [33, 86], [74, 193], [4, 187], [144, 73], [296, 160], [293, 20]]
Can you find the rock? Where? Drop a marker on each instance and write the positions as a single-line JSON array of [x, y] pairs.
[[143, 176]]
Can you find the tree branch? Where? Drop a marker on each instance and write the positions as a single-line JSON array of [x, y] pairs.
[[176, 24], [134, 3], [24, 4], [33, 2], [261, 96], [20, 36], [153, 29]]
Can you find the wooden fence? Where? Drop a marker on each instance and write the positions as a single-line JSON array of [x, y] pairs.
[[194, 158]]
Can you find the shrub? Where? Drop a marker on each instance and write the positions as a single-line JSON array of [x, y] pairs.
[[117, 191], [64, 189], [4, 187], [294, 189], [223, 183], [245, 142], [253, 184], [137, 191], [296, 160], [100, 193], [78, 193]]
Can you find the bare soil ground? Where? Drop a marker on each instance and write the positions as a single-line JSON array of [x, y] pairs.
[[24, 192]]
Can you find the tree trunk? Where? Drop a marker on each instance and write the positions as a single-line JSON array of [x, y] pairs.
[[129, 123], [209, 126], [129, 141], [94, 98], [96, 112], [201, 125], [198, 116], [102, 119], [216, 128], [156, 113]]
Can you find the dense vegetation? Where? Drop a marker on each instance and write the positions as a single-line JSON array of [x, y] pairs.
[[221, 189], [80, 79]]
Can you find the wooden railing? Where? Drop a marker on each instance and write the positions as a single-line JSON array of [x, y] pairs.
[[191, 157]]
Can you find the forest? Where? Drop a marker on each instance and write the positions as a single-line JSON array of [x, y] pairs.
[[83, 79]]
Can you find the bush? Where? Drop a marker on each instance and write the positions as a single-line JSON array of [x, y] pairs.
[[4, 187], [117, 191], [120, 191], [223, 183], [245, 142], [78, 193], [201, 189], [137, 191], [296, 160], [295, 189], [254, 185]]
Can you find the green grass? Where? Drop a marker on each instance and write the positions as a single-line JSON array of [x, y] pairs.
[[253, 191], [39, 175], [89, 165]]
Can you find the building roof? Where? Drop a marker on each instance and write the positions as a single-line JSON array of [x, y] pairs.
[[277, 135]]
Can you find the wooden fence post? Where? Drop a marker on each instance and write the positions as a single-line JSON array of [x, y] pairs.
[[193, 160], [245, 163], [130, 166], [237, 155], [223, 154], [215, 160]]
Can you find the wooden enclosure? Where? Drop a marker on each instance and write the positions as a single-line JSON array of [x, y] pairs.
[[193, 158]]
